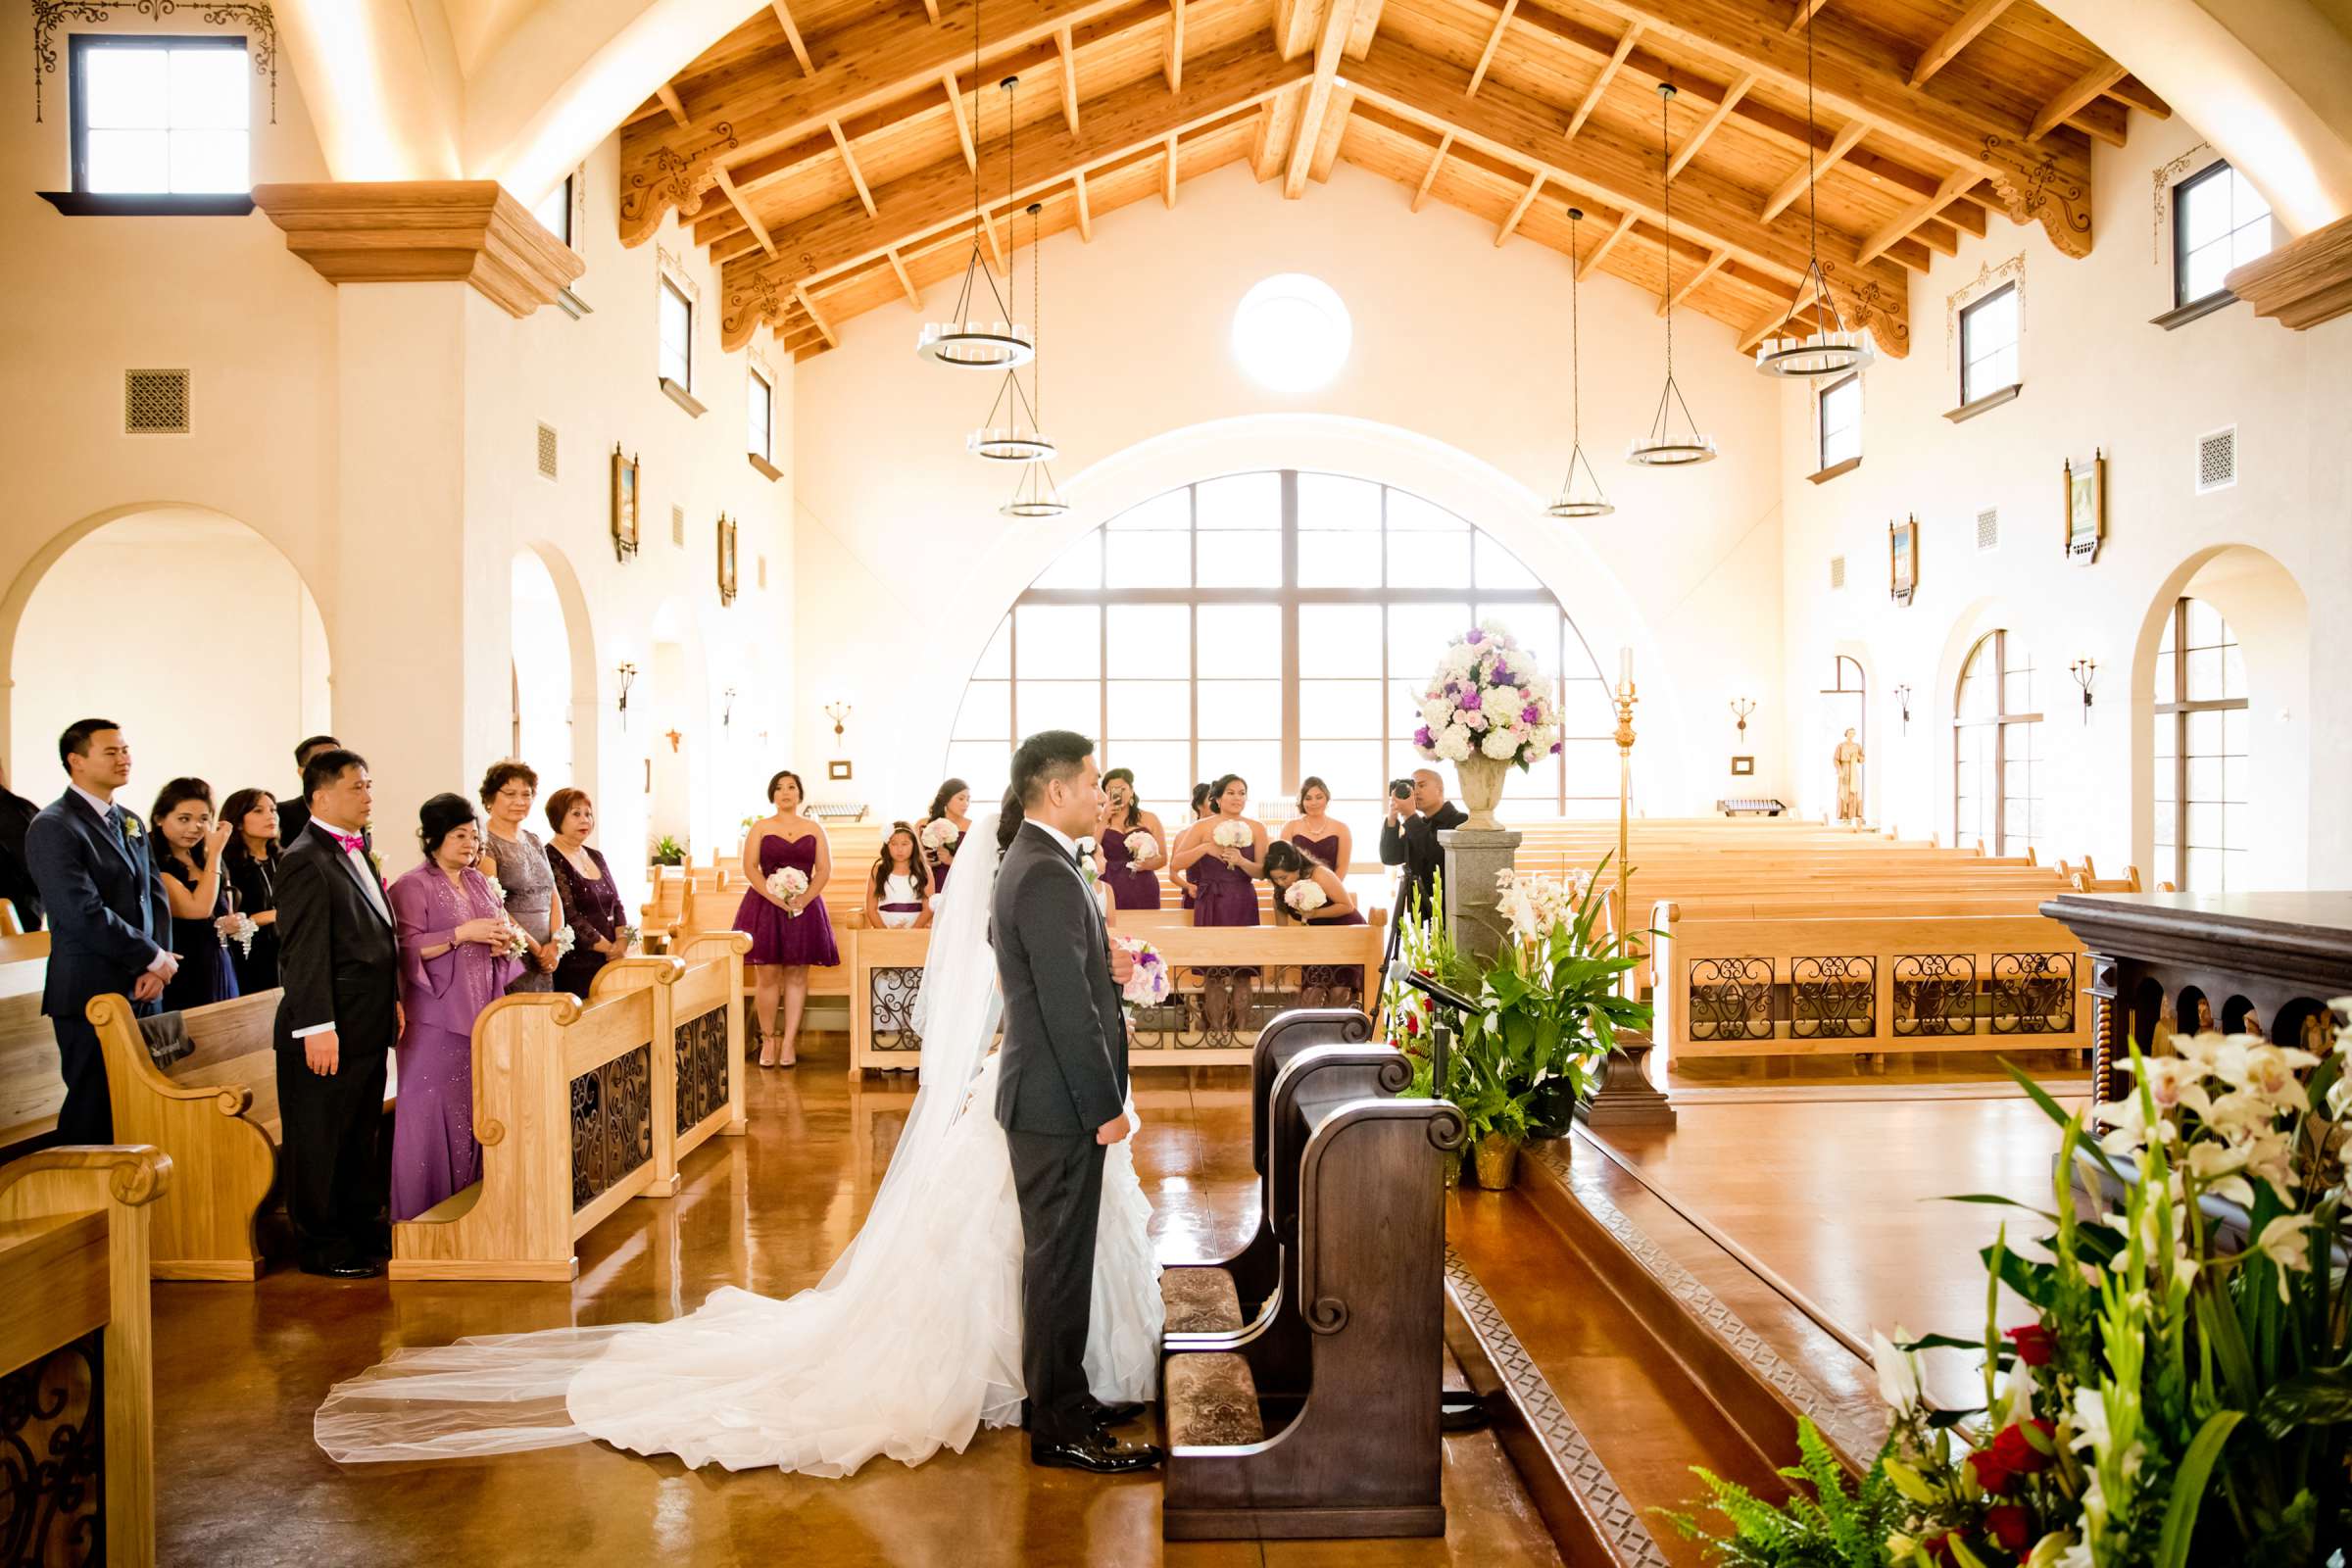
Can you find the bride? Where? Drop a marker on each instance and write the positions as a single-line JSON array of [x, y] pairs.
[[911, 1340]]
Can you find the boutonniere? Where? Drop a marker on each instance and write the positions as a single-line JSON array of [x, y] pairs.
[[132, 827], [377, 861]]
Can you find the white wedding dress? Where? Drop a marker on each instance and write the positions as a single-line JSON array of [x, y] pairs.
[[911, 1341]]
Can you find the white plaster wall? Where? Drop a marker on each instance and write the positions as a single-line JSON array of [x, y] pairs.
[[1457, 387], [2096, 375]]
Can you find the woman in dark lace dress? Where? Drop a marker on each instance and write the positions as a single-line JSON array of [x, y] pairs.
[[586, 899]]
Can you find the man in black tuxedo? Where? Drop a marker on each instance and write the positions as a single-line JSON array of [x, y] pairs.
[[1410, 837], [15, 873], [294, 812], [1062, 1092], [109, 928], [337, 1022]]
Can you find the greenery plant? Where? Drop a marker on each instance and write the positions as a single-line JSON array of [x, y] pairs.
[[667, 850]]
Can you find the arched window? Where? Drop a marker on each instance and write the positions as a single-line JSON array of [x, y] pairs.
[[1996, 749], [2203, 824], [1276, 626]]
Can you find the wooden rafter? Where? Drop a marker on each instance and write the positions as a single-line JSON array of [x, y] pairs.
[[988, 231], [1436, 161], [1793, 186], [1335, 130], [671, 101], [848, 160], [1607, 243], [1690, 285], [964, 126], [1309, 134], [1519, 209], [1875, 244], [1069, 79], [1086, 213], [800, 291], [2103, 74], [1172, 56], [1803, 12], [1601, 83], [1707, 126], [915, 295], [742, 204], [931, 10], [1979, 15], [792, 37], [2135, 93], [1169, 173], [1485, 57]]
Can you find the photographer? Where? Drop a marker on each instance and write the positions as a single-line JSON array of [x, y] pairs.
[[1418, 811]]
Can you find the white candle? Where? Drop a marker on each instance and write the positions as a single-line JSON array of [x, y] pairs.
[[1625, 666]]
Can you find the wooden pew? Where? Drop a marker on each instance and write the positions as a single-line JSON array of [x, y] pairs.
[[30, 1089], [1319, 1424], [580, 1110], [74, 1316], [11, 924]]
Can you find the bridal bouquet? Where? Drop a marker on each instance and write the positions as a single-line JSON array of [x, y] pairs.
[[1147, 985], [788, 882], [1488, 699], [1305, 898], [1232, 835], [1142, 846]]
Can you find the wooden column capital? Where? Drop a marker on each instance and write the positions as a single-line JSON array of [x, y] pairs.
[[2303, 282], [421, 231]]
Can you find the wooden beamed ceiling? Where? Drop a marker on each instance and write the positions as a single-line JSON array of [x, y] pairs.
[[826, 152]]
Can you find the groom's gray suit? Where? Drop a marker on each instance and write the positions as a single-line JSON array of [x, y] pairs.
[[1062, 1077]]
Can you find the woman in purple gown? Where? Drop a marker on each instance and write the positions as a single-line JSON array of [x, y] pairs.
[[1225, 891], [788, 934], [1132, 881], [454, 941], [586, 899], [1324, 837], [951, 805], [1203, 810], [1288, 867]]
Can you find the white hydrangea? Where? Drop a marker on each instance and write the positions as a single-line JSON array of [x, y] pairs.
[[1438, 712], [1458, 660], [1499, 745], [1454, 743]]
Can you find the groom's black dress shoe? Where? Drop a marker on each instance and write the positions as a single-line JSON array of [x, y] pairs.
[[1115, 1416], [1096, 1454]]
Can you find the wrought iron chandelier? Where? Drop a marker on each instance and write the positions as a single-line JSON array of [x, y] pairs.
[[985, 345], [1665, 447], [1037, 494], [1018, 439], [1813, 339], [1589, 501]]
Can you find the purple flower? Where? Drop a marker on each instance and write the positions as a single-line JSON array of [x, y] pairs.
[[1470, 701], [1475, 637], [1422, 737], [1503, 674], [1530, 714], [1555, 747]]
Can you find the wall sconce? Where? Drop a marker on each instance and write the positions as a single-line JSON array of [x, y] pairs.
[[838, 712], [726, 711], [1902, 703], [1742, 707], [2086, 671], [628, 677]]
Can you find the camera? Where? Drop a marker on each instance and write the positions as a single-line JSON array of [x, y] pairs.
[[1401, 788]]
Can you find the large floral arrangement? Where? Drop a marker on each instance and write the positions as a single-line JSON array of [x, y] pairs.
[[1533, 903], [2182, 1396], [1488, 699]]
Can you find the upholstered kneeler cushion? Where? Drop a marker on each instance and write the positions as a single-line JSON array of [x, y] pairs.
[[1200, 1300], [1211, 1402]]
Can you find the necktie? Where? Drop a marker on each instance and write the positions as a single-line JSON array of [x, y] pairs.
[[122, 828]]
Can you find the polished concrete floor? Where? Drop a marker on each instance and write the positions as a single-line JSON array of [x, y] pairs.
[[239, 1370]]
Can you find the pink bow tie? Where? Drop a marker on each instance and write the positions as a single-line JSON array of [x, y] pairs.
[[352, 842]]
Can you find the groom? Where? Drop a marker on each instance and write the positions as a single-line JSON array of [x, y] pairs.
[[1062, 1092]]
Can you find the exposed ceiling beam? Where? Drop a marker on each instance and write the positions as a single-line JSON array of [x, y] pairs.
[[1875, 244], [671, 101], [800, 291], [870, 62], [1272, 146], [2103, 74], [1601, 83], [1794, 185], [1519, 209], [1979, 15], [1169, 174], [1294, 25], [964, 126], [1308, 136], [2135, 93], [1086, 215], [1069, 79], [996, 246], [1803, 12], [1690, 285], [1437, 162], [1171, 59], [848, 160], [1335, 130], [1135, 119], [792, 37], [751, 219], [1486, 58], [2105, 120], [1608, 242], [931, 10], [1707, 126], [913, 295]]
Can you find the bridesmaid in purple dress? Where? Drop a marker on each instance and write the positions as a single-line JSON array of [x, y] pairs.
[[952, 803], [454, 938], [1320, 985], [1225, 883], [1132, 881], [787, 935], [1324, 837], [1203, 810]]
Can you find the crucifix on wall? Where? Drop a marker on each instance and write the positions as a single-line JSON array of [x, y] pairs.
[[673, 737]]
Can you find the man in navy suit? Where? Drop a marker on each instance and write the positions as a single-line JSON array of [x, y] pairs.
[[109, 928]]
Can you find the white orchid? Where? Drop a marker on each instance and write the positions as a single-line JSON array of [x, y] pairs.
[[1898, 1371], [2283, 1242]]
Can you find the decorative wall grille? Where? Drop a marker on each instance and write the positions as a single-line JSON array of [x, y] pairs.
[[2216, 461], [1988, 528], [547, 452], [1836, 572], [677, 526], [155, 403]]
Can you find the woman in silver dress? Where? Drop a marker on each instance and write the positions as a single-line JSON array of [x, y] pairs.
[[514, 855]]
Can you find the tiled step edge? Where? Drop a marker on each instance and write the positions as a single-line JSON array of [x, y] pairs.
[[1580, 1502]]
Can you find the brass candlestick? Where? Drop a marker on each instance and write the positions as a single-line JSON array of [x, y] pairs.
[[1626, 698]]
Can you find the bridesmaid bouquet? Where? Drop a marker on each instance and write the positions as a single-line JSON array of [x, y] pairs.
[[1304, 897], [788, 882], [1148, 984], [1142, 846], [1488, 699], [939, 834], [1232, 835]]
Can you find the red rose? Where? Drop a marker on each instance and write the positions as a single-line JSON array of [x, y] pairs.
[[2035, 1344], [2013, 1452], [2009, 1526], [1938, 1546], [1992, 1475]]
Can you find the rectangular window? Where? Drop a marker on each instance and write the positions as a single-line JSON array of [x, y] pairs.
[[1988, 344], [2219, 221], [677, 336], [157, 116], [762, 433], [1841, 422], [554, 210]]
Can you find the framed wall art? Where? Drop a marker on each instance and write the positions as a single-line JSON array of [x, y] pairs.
[[1902, 560], [2085, 507], [726, 559], [627, 483]]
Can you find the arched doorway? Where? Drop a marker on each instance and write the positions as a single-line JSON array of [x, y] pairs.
[[541, 723], [189, 629], [675, 740]]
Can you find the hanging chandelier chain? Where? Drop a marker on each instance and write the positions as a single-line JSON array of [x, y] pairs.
[[1666, 162], [1037, 314], [1576, 344], [1812, 198]]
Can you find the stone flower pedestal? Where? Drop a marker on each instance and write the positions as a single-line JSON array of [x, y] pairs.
[[1473, 908], [1482, 779]]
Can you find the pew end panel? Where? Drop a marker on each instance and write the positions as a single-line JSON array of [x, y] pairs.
[[707, 1039]]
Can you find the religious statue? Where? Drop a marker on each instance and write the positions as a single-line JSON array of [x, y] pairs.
[[1849, 761]]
